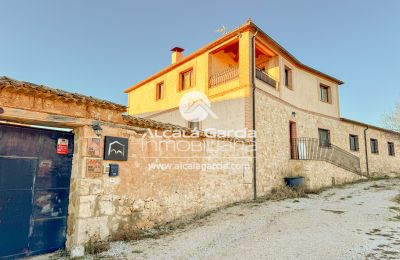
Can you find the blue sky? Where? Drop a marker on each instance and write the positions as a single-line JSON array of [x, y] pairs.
[[99, 48]]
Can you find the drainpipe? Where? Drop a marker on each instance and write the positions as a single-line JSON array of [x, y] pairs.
[[366, 149], [253, 85]]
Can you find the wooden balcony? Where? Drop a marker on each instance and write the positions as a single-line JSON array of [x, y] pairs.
[[261, 75], [224, 76]]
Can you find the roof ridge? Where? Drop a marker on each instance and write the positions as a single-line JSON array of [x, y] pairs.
[[219, 40], [8, 81]]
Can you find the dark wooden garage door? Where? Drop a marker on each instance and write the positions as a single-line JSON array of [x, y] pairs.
[[34, 186]]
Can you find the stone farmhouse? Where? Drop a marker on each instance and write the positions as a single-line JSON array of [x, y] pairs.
[[254, 83]]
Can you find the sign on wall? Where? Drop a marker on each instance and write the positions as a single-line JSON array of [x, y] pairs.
[[115, 148], [93, 147], [62, 146]]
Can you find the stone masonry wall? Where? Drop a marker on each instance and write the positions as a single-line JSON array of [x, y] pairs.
[[273, 145], [104, 207]]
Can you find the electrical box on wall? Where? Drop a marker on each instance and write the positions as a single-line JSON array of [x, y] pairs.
[[114, 170]]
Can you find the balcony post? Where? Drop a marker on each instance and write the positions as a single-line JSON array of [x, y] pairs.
[[245, 52]]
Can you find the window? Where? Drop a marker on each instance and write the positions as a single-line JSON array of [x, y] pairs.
[[160, 91], [194, 125], [288, 77], [354, 143], [324, 137], [391, 148], [325, 93], [186, 79], [374, 146]]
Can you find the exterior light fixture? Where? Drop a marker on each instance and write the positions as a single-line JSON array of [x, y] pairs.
[[97, 128], [293, 114]]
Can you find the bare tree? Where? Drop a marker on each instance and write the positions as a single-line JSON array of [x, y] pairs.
[[392, 120]]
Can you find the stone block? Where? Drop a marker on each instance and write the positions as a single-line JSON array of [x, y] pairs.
[[77, 251], [106, 207]]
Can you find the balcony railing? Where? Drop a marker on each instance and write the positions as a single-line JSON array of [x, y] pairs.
[[311, 149], [224, 76], [261, 75]]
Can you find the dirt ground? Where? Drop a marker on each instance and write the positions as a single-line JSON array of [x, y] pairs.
[[361, 221]]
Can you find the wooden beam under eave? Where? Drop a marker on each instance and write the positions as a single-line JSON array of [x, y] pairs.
[[39, 118], [26, 117]]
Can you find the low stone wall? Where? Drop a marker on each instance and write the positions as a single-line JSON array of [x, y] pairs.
[[318, 174], [104, 207]]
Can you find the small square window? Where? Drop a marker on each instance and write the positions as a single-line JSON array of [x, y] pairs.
[[354, 143], [374, 146], [194, 125], [325, 93], [186, 79], [160, 91], [324, 137], [288, 77], [391, 149]]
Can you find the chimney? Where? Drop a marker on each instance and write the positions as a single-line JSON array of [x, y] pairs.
[[177, 54]]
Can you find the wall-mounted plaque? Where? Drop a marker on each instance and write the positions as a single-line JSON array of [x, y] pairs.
[[115, 148], [93, 168], [93, 147]]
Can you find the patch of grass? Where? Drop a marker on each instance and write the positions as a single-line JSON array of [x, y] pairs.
[[397, 198], [334, 211], [378, 178], [375, 230], [94, 246], [157, 232], [386, 252], [62, 253], [376, 186], [283, 193], [137, 251], [329, 195]]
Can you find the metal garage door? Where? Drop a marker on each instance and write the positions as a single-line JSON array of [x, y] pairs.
[[35, 170]]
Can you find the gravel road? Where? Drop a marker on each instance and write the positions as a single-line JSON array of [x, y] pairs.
[[360, 221]]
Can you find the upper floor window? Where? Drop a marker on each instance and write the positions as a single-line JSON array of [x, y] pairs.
[[391, 148], [324, 137], [374, 146], [354, 143], [325, 93], [288, 77], [186, 79], [194, 125], [160, 91]]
